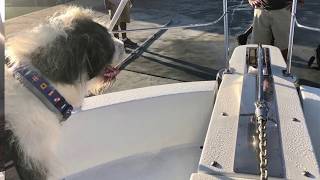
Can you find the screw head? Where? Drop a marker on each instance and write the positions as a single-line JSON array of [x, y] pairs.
[[224, 114], [307, 174], [214, 164], [295, 120]]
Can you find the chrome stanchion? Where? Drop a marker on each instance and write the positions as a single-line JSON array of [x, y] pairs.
[[290, 45], [316, 29], [226, 34]]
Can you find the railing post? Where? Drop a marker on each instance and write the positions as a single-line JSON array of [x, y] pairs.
[[226, 33], [291, 35]]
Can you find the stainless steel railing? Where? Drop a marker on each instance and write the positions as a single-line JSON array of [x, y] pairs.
[[173, 27], [291, 35], [226, 33], [224, 15]]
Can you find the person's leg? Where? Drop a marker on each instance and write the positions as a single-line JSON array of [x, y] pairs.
[[281, 29], [107, 6], [116, 35], [261, 32], [127, 42], [123, 26], [284, 53], [318, 55], [125, 18], [243, 38], [113, 10]]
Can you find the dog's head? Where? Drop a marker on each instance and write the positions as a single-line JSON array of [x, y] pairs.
[[71, 48]]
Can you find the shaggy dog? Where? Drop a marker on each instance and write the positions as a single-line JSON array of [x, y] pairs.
[[70, 51]]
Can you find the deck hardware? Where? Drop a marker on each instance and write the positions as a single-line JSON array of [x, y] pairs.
[[224, 114], [215, 164], [226, 35], [295, 120], [273, 122], [307, 174], [261, 117]]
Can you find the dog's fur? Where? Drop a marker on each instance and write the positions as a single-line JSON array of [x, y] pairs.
[[69, 50]]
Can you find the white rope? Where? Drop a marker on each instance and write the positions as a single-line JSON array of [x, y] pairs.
[[173, 27]]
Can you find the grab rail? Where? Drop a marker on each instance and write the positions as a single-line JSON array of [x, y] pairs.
[[172, 27], [226, 34], [291, 35], [224, 15], [307, 27]]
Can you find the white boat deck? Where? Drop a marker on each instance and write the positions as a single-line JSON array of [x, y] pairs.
[[311, 108], [299, 153], [169, 163]]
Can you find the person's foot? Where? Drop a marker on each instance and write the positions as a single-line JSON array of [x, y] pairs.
[[311, 60], [242, 39], [318, 55], [130, 44]]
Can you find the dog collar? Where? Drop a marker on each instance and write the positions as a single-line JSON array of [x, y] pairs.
[[40, 87]]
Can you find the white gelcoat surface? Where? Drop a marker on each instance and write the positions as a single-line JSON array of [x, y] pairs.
[[200, 176], [152, 132], [311, 109], [220, 142], [298, 153], [221, 137]]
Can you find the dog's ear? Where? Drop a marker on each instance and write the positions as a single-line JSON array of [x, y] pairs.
[[99, 48], [87, 48]]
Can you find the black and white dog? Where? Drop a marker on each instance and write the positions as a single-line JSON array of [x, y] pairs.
[[49, 71]]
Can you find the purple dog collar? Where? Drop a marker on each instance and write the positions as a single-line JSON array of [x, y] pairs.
[[41, 88]]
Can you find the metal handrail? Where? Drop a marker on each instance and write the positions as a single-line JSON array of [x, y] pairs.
[[291, 35], [226, 34], [172, 27], [224, 15], [307, 27]]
